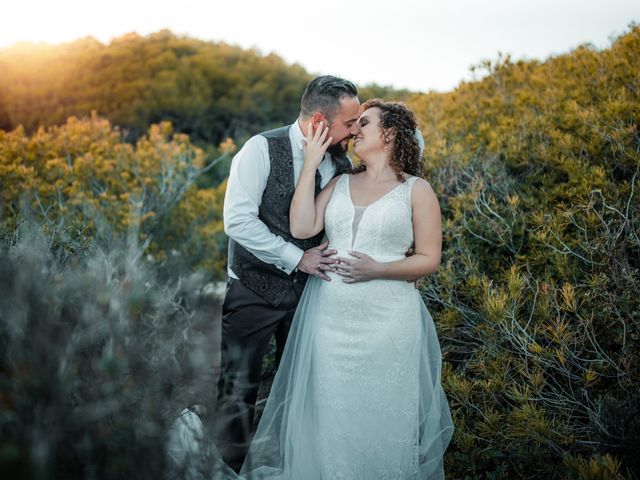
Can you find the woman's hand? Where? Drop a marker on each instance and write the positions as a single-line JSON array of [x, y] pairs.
[[315, 145], [360, 269]]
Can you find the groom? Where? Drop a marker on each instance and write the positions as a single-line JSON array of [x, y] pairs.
[[267, 267]]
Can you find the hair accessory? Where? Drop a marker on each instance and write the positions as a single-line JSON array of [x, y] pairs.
[[420, 140]]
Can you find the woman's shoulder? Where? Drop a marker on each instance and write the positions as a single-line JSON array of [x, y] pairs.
[[418, 182], [421, 190]]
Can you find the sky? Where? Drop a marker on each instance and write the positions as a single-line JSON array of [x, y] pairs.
[[420, 45]]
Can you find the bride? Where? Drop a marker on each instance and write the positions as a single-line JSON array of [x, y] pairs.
[[358, 392]]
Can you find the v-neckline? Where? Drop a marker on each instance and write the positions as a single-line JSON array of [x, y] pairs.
[[375, 201], [364, 211]]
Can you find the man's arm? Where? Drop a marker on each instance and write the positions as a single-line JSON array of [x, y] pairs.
[[250, 169]]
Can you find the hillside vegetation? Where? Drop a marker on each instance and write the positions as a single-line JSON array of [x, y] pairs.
[[111, 227]]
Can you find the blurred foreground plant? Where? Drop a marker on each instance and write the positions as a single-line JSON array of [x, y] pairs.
[[95, 356]]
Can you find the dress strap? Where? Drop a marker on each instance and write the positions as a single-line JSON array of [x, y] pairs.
[[409, 188], [411, 180], [341, 184]]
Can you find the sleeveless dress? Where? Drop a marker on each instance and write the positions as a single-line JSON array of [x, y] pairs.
[[358, 392]]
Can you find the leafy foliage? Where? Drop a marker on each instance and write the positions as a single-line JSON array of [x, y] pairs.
[[536, 166], [207, 90], [81, 175], [95, 356]]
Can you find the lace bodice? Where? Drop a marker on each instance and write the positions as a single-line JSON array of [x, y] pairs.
[[385, 228]]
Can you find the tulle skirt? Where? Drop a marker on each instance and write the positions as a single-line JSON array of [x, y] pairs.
[[358, 391]]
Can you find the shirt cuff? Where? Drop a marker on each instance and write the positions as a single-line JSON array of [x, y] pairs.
[[290, 258]]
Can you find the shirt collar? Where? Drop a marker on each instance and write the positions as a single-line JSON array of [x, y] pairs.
[[296, 135]]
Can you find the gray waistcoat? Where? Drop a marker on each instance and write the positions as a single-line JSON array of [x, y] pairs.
[[263, 278]]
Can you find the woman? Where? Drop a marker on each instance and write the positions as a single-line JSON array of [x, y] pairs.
[[358, 392]]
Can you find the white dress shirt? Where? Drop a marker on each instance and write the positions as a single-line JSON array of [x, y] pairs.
[[250, 169]]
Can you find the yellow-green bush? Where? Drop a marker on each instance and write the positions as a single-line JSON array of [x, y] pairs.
[[82, 174], [536, 301], [208, 90], [536, 167]]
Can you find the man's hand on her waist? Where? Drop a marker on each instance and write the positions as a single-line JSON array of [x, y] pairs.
[[317, 260]]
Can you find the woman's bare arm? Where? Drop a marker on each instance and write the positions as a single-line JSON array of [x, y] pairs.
[[306, 214]]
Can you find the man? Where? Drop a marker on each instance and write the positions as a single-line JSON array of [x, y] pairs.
[[267, 267]]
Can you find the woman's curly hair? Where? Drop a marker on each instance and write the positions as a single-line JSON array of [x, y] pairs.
[[398, 127]]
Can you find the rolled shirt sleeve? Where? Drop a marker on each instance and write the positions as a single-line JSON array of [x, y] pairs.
[[250, 170]]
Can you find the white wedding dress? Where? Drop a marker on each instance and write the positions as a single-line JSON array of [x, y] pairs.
[[358, 392]]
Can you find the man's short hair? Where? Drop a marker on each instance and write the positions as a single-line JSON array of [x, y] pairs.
[[323, 94]]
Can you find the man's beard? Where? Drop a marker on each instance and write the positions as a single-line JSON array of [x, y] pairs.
[[338, 150]]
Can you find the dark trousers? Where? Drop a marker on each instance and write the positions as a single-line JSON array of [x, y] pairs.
[[248, 321]]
